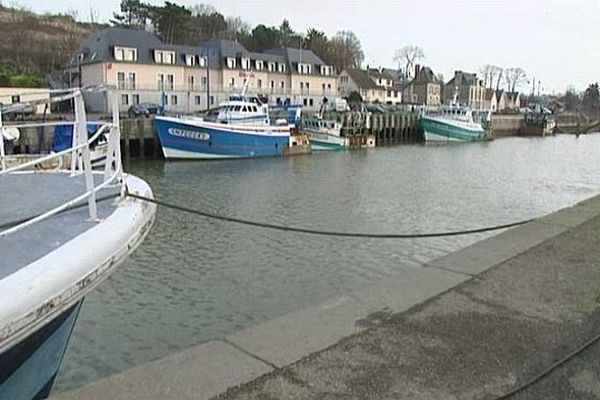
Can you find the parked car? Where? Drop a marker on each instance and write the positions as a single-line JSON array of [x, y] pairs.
[[145, 110]]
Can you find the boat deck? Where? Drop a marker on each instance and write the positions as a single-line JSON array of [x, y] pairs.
[[26, 195]]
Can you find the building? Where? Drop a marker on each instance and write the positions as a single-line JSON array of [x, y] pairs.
[[514, 100], [13, 95], [192, 78], [501, 100], [424, 88], [467, 89], [373, 85], [491, 101]]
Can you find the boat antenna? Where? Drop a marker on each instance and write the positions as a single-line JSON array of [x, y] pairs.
[[245, 88]]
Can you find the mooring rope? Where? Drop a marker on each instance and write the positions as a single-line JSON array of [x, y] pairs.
[[323, 232]]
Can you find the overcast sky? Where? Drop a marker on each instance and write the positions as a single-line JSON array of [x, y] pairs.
[[558, 42]]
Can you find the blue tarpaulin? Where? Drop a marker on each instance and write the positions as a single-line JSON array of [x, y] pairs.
[[63, 135]]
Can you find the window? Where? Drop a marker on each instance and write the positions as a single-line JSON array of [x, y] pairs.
[[202, 61], [271, 66], [160, 82], [135, 99], [212, 100], [230, 63], [15, 99], [305, 102], [245, 63], [125, 53], [190, 60], [259, 65], [121, 80], [170, 82], [173, 100], [197, 100], [329, 86], [311, 102], [281, 68], [301, 86], [131, 81], [231, 82], [164, 57], [191, 83], [204, 82], [344, 79], [282, 85], [259, 83], [323, 88], [125, 99]]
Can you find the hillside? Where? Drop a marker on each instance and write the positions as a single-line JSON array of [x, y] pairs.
[[36, 45]]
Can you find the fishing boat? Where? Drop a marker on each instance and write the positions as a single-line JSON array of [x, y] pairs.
[[455, 123], [323, 134], [242, 129], [62, 232]]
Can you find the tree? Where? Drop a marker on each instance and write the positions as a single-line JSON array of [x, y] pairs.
[[406, 57], [355, 98], [171, 23], [571, 99], [134, 14], [345, 51], [317, 42], [591, 101], [514, 77], [499, 75], [262, 38], [287, 36]]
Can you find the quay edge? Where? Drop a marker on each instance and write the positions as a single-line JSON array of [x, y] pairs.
[[213, 368]]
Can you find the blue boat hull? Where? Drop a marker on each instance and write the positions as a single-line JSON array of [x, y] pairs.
[[28, 369], [197, 140]]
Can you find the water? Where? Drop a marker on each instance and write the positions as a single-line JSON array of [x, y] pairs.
[[194, 279]]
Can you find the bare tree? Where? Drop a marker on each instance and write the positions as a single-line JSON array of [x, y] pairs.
[[93, 16], [486, 74], [514, 77], [500, 74], [406, 58]]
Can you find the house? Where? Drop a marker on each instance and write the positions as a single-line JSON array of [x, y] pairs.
[[491, 101], [501, 100], [466, 89], [359, 80], [192, 78], [424, 88]]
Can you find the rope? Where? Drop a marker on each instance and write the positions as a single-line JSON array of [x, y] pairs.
[[551, 368], [321, 232]]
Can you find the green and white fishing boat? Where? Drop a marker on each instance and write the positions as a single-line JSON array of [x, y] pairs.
[[324, 134], [455, 124]]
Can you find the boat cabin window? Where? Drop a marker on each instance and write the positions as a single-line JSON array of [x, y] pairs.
[[254, 109], [237, 108]]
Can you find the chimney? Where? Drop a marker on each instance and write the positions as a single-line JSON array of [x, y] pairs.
[[417, 71]]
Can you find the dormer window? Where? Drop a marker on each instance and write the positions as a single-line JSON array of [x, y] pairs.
[[326, 70], [259, 65], [202, 61], [304, 69], [231, 63], [190, 60], [271, 67], [164, 57], [245, 63], [125, 53], [281, 68]]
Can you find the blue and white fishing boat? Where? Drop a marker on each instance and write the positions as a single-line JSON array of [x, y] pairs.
[[62, 232], [242, 129]]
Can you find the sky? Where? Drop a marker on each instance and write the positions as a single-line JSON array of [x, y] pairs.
[[555, 42]]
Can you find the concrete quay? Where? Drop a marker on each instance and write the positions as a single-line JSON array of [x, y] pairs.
[[470, 325]]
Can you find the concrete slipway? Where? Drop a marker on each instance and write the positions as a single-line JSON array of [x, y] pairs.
[[469, 325]]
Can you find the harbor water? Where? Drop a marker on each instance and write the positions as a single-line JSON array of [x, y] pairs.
[[196, 279]]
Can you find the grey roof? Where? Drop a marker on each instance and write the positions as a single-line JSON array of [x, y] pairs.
[[426, 75], [489, 93], [295, 56], [394, 73], [463, 78], [363, 79], [377, 73], [99, 45]]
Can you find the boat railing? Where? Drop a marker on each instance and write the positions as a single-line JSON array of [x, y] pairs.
[[80, 152]]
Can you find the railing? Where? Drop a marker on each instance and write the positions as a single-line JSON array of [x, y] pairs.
[[80, 160]]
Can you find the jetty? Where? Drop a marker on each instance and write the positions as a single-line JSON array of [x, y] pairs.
[[485, 321]]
